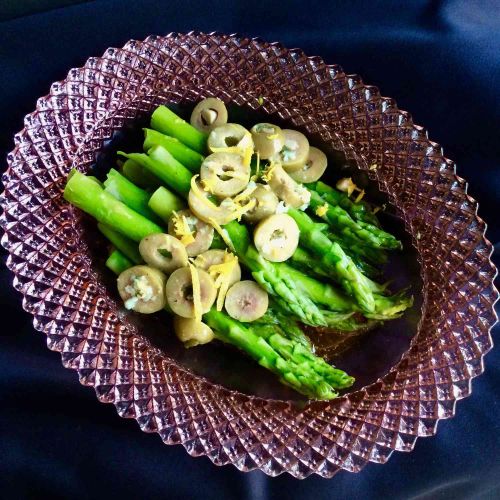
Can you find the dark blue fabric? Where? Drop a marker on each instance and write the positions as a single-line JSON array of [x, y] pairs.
[[439, 59]]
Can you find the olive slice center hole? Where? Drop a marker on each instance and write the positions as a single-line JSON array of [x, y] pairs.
[[278, 234], [187, 292], [165, 253], [231, 141], [226, 177]]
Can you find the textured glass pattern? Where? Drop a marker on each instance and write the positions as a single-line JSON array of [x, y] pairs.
[[52, 267]]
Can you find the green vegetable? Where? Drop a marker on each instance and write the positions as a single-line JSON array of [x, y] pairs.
[[87, 195], [164, 166], [139, 175], [359, 251], [341, 221], [274, 277], [127, 247], [330, 254], [359, 211], [127, 192], [277, 321], [189, 158], [167, 122], [117, 262], [304, 261], [163, 203], [294, 364]]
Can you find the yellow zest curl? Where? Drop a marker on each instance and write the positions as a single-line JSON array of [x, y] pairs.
[[268, 174], [360, 196], [222, 232], [321, 211], [182, 229], [195, 281], [221, 273]]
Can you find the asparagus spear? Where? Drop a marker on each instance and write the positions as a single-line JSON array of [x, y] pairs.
[[276, 321], [303, 260], [332, 255], [189, 158], [162, 164], [274, 277], [163, 203], [117, 262], [87, 195], [127, 247], [359, 211], [294, 364], [340, 220], [122, 189], [139, 175], [355, 248], [167, 122]]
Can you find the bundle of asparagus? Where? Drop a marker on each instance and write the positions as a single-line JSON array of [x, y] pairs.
[[324, 281]]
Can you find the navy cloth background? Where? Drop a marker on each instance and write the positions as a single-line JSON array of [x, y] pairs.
[[439, 59]]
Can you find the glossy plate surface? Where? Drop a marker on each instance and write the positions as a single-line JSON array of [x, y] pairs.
[[195, 397]]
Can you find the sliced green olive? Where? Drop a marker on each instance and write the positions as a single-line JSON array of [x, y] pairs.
[[208, 114], [228, 136], [314, 167], [142, 289], [276, 237], [246, 301], [266, 203], [164, 252], [295, 151], [224, 174], [268, 139], [192, 332], [286, 189], [203, 208], [202, 232], [214, 258], [179, 290]]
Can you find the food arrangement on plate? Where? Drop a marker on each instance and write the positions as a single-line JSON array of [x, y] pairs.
[[233, 232]]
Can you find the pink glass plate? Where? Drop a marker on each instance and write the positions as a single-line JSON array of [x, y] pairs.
[[55, 266]]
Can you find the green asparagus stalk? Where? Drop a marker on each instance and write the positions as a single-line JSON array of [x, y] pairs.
[[189, 158], [117, 262], [162, 164], [340, 220], [163, 203], [167, 122], [298, 354], [127, 192], [277, 321], [139, 175], [332, 255], [304, 261], [296, 370], [127, 247], [362, 253], [87, 195], [276, 278], [359, 211]]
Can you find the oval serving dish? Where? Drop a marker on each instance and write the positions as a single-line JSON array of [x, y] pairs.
[[52, 258]]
